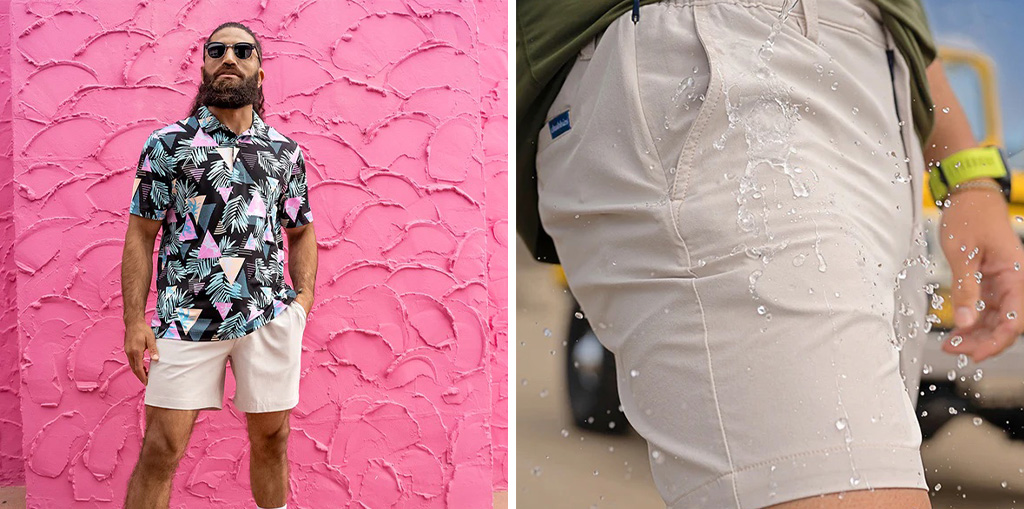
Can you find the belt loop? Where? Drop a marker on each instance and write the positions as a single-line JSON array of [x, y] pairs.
[[811, 19]]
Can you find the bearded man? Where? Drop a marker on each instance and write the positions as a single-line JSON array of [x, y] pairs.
[[220, 185]]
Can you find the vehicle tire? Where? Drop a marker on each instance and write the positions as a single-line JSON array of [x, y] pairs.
[[933, 407], [590, 378], [1011, 420]]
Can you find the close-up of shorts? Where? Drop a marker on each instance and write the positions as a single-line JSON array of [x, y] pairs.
[[266, 365], [739, 217]]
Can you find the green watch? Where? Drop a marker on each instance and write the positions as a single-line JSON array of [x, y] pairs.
[[969, 164]]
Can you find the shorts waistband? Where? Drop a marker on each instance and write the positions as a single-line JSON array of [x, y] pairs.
[[862, 16]]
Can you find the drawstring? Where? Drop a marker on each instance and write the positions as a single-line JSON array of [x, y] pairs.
[[811, 17], [636, 11]]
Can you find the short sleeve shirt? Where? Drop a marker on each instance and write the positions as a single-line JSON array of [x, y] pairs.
[[223, 199]]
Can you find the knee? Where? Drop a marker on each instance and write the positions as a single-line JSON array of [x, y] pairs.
[[270, 443], [162, 453]]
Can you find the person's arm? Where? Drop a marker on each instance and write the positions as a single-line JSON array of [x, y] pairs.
[[297, 220], [302, 263], [988, 313], [151, 197], [136, 275]]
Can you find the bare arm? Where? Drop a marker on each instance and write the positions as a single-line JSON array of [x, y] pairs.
[[952, 132], [987, 286], [136, 275], [302, 262]]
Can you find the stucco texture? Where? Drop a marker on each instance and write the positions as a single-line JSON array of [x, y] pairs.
[[401, 110]]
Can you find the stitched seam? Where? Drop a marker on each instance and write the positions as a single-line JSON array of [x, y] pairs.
[[643, 113], [714, 390], [759, 464], [703, 116]]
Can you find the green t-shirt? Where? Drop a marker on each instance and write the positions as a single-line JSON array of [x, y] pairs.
[[550, 33]]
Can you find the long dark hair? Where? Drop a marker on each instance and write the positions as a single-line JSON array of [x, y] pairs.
[[257, 105]]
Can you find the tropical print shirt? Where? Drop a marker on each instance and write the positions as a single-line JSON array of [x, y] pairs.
[[222, 198]]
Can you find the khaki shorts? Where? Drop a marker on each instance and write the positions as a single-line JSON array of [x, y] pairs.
[[266, 365], [740, 222]]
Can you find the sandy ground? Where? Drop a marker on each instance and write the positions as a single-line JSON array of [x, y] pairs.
[[14, 498], [560, 467]]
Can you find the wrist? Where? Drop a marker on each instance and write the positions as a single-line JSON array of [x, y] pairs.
[[975, 185]]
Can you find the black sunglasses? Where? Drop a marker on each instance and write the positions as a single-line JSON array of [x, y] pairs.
[[243, 50]]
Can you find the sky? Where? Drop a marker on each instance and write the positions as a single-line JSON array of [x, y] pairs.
[[987, 26]]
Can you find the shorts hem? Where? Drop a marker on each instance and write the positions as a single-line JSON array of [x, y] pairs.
[[180, 404], [820, 472], [263, 407]]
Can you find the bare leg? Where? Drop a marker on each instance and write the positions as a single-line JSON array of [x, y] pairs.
[[268, 460], [902, 498], [166, 439]]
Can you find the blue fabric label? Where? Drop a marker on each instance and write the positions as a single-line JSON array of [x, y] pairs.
[[559, 125]]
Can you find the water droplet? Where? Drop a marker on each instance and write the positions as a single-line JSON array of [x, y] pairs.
[[956, 340], [798, 260], [579, 315], [961, 361], [547, 332], [938, 486], [544, 393], [980, 305], [855, 480], [927, 369], [978, 375], [658, 457], [1011, 315], [951, 375], [634, 373], [536, 471], [945, 110], [761, 310], [1004, 484], [835, 85], [841, 423], [977, 421], [596, 472], [855, 109], [565, 433]]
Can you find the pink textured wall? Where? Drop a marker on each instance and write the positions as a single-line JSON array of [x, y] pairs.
[[12, 465], [400, 107]]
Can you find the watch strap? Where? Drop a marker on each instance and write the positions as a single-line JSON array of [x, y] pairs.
[[969, 164]]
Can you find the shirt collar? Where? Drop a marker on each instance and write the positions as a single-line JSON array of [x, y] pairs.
[[209, 122]]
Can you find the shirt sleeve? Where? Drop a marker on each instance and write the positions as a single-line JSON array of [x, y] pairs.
[[293, 209], [151, 191]]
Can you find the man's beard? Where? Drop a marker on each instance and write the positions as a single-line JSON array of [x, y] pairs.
[[226, 94]]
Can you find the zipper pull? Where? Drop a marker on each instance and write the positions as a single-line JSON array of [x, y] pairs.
[[636, 11]]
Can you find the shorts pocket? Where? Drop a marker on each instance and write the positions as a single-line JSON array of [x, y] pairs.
[[301, 311], [679, 88]]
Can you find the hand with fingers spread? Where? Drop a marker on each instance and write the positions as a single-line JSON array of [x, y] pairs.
[[139, 337], [985, 256]]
